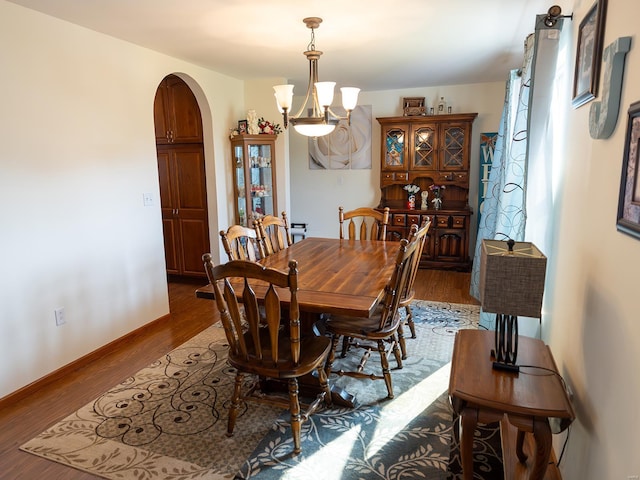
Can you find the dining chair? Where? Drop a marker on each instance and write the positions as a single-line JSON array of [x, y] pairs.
[[408, 293], [274, 349], [379, 332], [273, 233], [364, 223], [241, 243]]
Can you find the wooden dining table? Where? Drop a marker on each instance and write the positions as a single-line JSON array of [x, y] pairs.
[[335, 277]]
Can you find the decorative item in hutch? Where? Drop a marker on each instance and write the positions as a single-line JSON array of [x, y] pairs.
[[411, 195]]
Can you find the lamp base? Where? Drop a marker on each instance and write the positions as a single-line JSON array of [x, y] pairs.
[[506, 343], [506, 367]]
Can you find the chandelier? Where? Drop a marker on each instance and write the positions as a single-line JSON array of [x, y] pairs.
[[317, 103]]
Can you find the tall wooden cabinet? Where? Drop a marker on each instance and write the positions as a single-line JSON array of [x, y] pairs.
[[425, 151], [181, 172], [176, 113], [254, 169]]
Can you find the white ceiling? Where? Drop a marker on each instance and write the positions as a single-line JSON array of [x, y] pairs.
[[372, 44]]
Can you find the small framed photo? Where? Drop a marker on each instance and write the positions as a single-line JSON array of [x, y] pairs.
[[242, 126], [629, 200], [589, 54]]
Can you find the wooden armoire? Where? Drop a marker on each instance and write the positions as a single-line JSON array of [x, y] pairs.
[[181, 171]]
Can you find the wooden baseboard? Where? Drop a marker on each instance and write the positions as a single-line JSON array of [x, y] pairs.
[[56, 375], [513, 469]]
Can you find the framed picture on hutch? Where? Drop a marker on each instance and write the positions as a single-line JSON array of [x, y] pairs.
[[589, 54]]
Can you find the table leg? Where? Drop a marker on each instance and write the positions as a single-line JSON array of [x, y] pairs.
[[542, 436], [522, 457], [468, 423]]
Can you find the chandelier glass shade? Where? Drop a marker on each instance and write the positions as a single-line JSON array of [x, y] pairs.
[[317, 103]]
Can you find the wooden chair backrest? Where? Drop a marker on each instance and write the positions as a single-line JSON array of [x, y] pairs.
[[273, 233], [405, 259], [364, 223], [248, 343], [241, 243], [421, 236]]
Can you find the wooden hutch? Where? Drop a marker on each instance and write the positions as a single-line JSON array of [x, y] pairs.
[[425, 151]]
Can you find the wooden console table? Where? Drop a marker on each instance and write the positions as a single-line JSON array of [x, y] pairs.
[[528, 399]]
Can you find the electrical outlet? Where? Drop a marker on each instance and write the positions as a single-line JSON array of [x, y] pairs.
[[147, 199], [59, 314]]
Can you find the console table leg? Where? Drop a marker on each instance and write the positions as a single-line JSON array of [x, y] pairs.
[[542, 436], [468, 422], [522, 457]]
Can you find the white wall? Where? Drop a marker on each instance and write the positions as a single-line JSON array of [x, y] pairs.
[[591, 317], [78, 152], [317, 194]]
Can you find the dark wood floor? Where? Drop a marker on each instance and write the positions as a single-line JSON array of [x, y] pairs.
[[34, 413]]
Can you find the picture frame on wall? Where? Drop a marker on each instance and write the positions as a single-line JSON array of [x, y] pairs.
[[589, 54], [628, 220]]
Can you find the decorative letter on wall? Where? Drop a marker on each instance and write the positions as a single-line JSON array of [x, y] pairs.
[[603, 115]]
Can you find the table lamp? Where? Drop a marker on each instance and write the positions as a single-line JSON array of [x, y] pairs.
[[511, 285]]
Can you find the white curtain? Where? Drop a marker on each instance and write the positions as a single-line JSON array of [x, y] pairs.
[[520, 178]]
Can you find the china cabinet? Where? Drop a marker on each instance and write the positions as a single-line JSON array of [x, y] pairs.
[[429, 152], [254, 177]]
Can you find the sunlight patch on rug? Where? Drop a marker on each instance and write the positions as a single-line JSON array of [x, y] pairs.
[[395, 416]]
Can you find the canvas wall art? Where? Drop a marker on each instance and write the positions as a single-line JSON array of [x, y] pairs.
[[347, 147]]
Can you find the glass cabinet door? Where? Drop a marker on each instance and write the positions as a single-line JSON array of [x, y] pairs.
[[241, 199], [395, 148], [424, 147], [454, 152], [261, 181]]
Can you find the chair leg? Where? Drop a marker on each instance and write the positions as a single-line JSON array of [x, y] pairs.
[[409, 320], [324, 384], [385, 368], [294, 407], [403, 345], [345, 346], [332, 354], [397, 352], [235, 404]]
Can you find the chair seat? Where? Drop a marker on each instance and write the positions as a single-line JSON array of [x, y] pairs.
[[313, 351], [362, 327]]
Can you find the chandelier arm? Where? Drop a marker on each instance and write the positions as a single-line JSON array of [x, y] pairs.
[[347, 117]]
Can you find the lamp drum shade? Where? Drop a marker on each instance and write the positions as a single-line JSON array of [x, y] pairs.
[[512, 283]]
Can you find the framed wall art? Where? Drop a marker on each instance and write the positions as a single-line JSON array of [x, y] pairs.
[[629, 199], [589, 54]]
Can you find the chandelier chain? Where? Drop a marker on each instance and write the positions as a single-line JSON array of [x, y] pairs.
[[312, 43]]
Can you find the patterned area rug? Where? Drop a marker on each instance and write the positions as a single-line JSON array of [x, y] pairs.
[[168, 421]]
